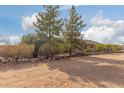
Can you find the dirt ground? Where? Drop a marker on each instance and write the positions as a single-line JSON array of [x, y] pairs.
[[105, 70]]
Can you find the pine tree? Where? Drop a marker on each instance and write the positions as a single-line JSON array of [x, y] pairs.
[[48, 25], [74, 25]]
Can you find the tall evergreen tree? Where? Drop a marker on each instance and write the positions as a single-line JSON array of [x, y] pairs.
[[48, 25], [74, 25]]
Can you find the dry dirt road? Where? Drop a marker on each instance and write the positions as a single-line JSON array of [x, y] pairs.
[[105, 70]]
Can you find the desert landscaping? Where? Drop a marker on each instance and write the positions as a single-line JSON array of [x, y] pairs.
[[57, 52], [104, 70]]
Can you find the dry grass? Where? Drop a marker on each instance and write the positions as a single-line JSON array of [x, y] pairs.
[[114, 56], [89, 71], [20, 50]]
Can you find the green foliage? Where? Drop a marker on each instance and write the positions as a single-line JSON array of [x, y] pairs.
[[48, 27], [115, 48], [49, 34], [100, 47], [49, 50], [48, 24], [28, 39], [53, 36], [89, 50], [33, 39], [107, 48], [72, 34]]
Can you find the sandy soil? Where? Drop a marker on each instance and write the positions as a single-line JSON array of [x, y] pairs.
[[105, 70]]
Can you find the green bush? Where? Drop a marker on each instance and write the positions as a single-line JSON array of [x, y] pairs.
[[107, 48], [90, 50], [50, 50], [100, 47]]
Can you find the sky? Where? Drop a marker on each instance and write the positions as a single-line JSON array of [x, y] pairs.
[[104, 24]]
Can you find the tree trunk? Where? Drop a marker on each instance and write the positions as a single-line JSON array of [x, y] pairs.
[[36, 50], [70, 52]]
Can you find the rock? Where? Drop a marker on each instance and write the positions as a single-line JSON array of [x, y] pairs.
[[2, 59]]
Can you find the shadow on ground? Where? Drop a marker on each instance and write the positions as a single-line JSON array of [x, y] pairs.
[[88, 70], [85, 67]]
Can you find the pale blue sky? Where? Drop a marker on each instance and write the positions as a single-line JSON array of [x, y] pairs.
[[11, 16]]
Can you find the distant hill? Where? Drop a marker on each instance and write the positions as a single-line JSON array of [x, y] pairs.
[[91, 42]]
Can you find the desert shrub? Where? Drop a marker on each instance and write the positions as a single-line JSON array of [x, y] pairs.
[[115, 48], [107, 48], [100, 47], [50, 50], [22, 50]]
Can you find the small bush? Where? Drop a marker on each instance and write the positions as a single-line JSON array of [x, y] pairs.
[[49, 50], [107, 48], [90, 50]]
